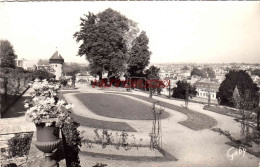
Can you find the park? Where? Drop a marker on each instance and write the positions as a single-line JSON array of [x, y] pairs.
[[120, 108]]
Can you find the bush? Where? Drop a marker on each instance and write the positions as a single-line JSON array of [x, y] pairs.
[[19, 145], [64, 82], [72, 143]]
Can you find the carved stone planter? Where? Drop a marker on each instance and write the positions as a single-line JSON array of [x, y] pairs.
[[47, 141]]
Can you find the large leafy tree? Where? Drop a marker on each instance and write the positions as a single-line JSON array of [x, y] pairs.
[[41, 74], [139, 56], [198, 72], [7, 54], [244, 83], [209, 72], [106, 38], [184, 90]]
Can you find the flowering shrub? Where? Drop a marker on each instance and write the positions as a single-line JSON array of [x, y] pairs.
[[119, 140], [45, 104]]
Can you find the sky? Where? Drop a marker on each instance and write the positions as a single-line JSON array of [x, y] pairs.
[[178, 32]]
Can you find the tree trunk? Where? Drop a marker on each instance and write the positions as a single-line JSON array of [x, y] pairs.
[[170, 91], [18, 85], [5, 86], [150, 93], [258, 120], [100, 76]]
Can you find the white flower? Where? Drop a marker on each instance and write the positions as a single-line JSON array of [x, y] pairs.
[[48, 123], [69, 106], [60, 103], [35, 99], [26, 105]]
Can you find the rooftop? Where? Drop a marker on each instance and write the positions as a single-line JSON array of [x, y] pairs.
[[56, 56]]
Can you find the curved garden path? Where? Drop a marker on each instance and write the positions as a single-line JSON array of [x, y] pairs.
[[196, 148]]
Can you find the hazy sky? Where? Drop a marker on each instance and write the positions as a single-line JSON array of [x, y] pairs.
[[206, 32]]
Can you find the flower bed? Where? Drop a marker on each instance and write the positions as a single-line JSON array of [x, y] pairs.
[[224, 111], [121, 146]]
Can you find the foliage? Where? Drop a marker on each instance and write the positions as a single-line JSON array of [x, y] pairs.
[[63, 82], [152, 74], [7, 55], [119, 140], [139, 56], [243, 103], [72, 68], [12, 78], [41, 74], [198, 72], [82, 81], [104, 41], [204, 73], [243, 82], [183, 87], [256, 72], [185, 68], [210, 73], [45, 103], [72, 142], [19, 145]]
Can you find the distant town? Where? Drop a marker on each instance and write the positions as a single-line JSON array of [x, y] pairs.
[[205, 77]]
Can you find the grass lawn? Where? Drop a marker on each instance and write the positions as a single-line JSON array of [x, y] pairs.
[[195, 121], [93, 123], [117, 106]]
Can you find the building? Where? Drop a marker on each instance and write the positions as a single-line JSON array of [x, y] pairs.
[[203, 89], [27, 64], [56, 64]]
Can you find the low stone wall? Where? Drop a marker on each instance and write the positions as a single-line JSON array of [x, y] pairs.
[[8, 129]]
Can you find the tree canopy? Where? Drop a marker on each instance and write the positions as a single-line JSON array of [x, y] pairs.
[[204, 73], [105, 39], [7, 55], [184, 89], [245, 86], [41, 74], [210, 72], [256, 72], [198, 72], [139, 55], [185, 68], [152, 74]]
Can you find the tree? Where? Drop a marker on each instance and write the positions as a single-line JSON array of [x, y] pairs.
[[198, 72], [244, 83], [209, 72], [41, 74], [7, 55], [245, 106], [185, 68], [256, 72], [184, 90], [152, 74], [139, 56], [105, 40], [73, 78]]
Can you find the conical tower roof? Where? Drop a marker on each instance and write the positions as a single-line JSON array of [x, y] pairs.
[[56, 58]]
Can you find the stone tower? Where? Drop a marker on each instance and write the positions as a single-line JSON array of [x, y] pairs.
[[56, 63]]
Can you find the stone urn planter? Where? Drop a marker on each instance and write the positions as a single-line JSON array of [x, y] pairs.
[[47, 141]]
